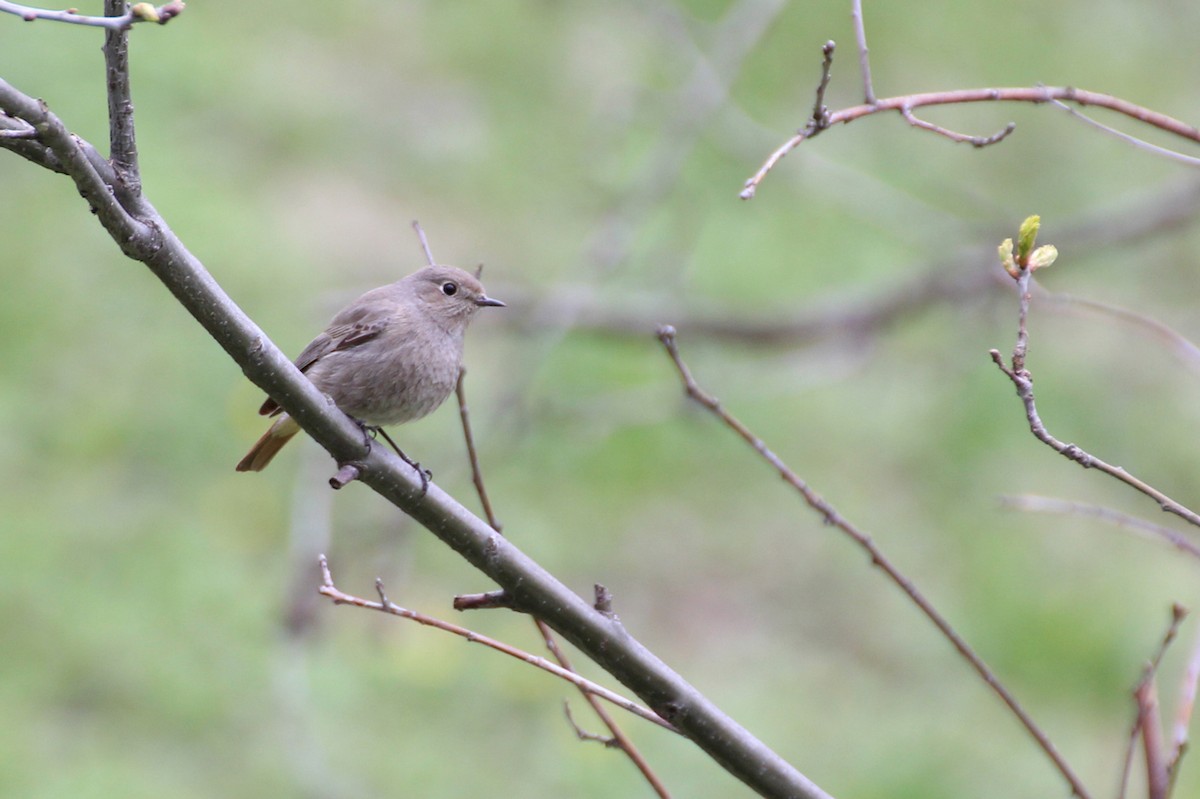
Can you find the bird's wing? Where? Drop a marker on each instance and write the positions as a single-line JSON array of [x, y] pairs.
[[350, 328]]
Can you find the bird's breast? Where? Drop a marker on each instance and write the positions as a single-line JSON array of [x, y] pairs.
[[388, 385]]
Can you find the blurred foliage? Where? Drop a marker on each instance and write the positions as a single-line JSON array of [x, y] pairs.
[[590, 146]]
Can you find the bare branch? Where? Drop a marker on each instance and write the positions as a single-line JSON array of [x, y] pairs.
[[583, 734], [1034, 94], [1114, 517], [618, 737], [95, 183], [20, 130], [1134, 524], [1141, 144], [139, 12], [1147, 722], [958, 278], [384, 605], [464, 416], [961, 138], [122, 139], [1183, 714], [425, 247], [484, 601], [1022, 380], [864, 63], [1179, 345], [820, 114], [830, 516]]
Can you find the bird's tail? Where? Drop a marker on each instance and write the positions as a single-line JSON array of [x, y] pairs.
[[272, 441]]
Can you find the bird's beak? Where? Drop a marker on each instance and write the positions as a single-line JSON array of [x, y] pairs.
[[485, 300]]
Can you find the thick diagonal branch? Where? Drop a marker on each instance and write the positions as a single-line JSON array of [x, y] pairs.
[[145, 236]]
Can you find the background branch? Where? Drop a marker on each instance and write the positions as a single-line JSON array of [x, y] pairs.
[[831, 517], [1034, 94]]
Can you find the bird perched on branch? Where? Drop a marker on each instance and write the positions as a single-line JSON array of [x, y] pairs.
[[390, 357]]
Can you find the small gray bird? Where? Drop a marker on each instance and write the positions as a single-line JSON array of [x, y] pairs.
[[389, 357]]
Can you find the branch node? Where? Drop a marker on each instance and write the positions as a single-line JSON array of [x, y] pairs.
[[347, 473], [383, 597], [583, 735], [820, 113], [485, 601], [603, 602]]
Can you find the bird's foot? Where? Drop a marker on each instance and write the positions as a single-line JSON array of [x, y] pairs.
[[424, 474]]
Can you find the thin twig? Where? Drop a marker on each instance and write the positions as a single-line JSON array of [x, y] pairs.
[[1022, 379], [820, 115], [1141, 144], [830, 516], [1157, 778], [962, 138], [139, 12], [1024, 94], [464, 416], [425, 246], [384, 605], [1146, 722], [1183, 713], [1180, 346], [864, 63], [619, 738], [583, 734], [1035, 504]]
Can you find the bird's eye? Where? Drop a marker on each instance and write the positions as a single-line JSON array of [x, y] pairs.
[[449, 288]]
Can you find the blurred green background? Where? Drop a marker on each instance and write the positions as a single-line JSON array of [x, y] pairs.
[[159, 632]]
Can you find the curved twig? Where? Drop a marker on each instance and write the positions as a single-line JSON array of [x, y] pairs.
[[961, 138], [1022, 380], [1147, 529], [385, 605], [1032, 94]]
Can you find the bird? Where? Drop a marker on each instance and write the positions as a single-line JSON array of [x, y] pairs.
[[391, 356]]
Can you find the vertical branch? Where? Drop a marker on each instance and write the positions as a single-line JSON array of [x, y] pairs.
[[464, 416], [864, 63], [1021, 348], [1147, 723], [122, 141], [619, 738], [1157, 777]]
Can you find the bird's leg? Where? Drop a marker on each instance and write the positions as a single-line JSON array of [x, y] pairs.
[[424, 474], [368, 431]]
